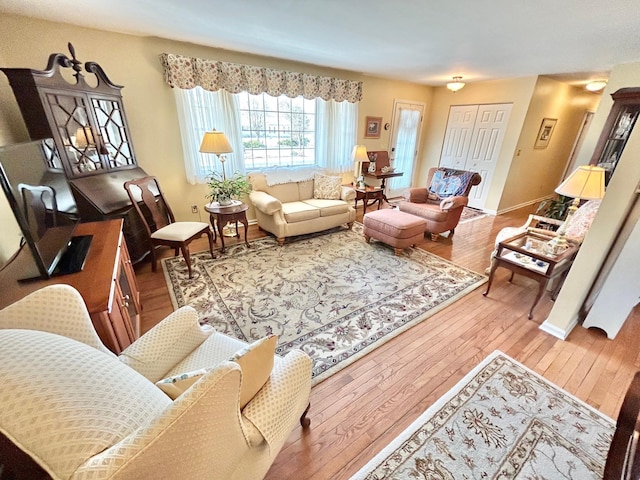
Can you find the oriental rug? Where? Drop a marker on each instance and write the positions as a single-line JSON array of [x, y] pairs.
[[470, 214], [502, 421], [331, 295]]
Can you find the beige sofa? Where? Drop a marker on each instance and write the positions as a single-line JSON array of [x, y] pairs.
[[289, 209]]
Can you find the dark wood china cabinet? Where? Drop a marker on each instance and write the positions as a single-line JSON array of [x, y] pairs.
[[617, 129], [88, 125]]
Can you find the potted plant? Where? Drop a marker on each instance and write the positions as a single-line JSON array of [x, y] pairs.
[[223, 189]]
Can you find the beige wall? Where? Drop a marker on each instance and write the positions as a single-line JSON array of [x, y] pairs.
[[614, 208], [516, 91], [150, 107], [535, 172]]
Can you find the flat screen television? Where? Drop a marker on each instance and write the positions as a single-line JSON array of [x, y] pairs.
[[43, 205]]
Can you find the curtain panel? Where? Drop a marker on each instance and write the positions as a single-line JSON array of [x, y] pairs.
[[188, 72]]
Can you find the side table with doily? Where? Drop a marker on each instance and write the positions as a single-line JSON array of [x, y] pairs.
[[221, 215]]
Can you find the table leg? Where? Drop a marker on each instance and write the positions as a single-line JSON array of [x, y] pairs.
[[220, 226], [541, 289], [212, 221], [494, 265], [245, 222]]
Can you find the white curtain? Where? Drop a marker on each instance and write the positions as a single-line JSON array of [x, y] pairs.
[[336, 134], [407, 138], [200, 111]]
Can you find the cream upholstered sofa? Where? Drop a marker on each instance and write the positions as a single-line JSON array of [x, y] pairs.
[[311, 204], [81, 412]]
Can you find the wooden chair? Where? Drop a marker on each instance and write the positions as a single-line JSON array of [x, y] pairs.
[[162, 229], [623, 460]]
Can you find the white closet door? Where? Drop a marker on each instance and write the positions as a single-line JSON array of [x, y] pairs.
[[486, 143], [458, 135]]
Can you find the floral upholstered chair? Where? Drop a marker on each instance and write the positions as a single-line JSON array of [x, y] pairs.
[[183, 401], [575, 232]]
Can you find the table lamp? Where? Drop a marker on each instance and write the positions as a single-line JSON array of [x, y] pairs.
[[216, 142], [585, 183], [359, 155]]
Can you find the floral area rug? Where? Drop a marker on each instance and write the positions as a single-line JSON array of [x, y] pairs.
[[331, 295], [470, 214], [502, 421]]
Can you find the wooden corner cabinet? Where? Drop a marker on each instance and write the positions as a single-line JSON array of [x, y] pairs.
[[91, 140], [107, 284], [617, 129]]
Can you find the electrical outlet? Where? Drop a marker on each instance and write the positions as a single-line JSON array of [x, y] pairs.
[[194, 208]]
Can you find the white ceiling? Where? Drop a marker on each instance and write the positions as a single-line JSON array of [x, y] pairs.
[[424, 41]]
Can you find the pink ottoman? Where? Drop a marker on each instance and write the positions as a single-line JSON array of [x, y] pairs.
[[395, 228]]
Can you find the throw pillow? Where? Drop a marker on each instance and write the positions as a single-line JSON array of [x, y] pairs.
[[327, 187], [178, 384], [256, 362]]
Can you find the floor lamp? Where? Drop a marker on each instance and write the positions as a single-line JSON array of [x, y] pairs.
[[585, 183]]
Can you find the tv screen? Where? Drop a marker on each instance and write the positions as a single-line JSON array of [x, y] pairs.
[[43, 205]]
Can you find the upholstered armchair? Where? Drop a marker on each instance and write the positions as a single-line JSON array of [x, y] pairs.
[[81, 412], [442, 201], [577, 227]]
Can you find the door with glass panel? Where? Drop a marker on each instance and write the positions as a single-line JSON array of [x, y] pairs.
[[403, 147]]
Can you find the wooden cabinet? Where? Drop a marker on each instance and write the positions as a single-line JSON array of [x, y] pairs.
[[90, 135], [620, 122], [107, 284]]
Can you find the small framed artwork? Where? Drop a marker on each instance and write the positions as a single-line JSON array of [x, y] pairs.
[[544, 134], [372, 128]]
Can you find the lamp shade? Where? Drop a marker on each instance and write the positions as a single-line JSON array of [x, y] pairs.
[[586, 182], [359, 154], [84, 137], [215, 142]]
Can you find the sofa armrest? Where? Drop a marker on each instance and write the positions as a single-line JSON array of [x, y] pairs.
[[277, 407], [166, 344], [264, 202], [58, 309], [417, 195], [348, 194], [450, 203]]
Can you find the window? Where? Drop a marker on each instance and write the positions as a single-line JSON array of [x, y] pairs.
[[277, 130], [265, 131]]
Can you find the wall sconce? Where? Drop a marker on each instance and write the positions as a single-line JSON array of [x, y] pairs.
[[456, 84], [596, 85]]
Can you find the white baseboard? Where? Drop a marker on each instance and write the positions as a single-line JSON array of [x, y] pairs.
[[558, 332]]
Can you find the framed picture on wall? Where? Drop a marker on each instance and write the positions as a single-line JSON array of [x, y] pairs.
[[544, 134], [372, 127]]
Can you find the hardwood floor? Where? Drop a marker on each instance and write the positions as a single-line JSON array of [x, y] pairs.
[[358, 411]]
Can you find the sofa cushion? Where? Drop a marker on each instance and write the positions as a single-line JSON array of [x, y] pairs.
[[176, 385], [327, 187], [328, 208], [449, 183], [256, 362], [55, 388], [425, 210], [299, 212]]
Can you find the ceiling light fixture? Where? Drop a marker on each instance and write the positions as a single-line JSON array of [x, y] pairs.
[[596, 85], [455, 85]]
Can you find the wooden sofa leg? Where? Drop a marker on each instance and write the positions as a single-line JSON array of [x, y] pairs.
[[280, 241], [434, 237], [304, 420], [350, 225]]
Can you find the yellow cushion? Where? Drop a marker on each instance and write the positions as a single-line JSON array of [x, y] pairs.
[[327, 187], [256, 362]]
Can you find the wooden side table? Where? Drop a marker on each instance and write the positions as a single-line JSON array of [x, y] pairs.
[[525, 254], [369, 197], [383, 176], [223, 215]]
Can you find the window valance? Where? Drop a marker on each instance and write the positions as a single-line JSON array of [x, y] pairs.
[[189, 72]]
